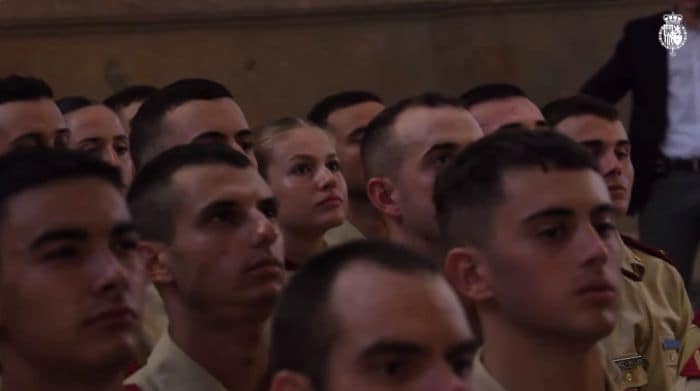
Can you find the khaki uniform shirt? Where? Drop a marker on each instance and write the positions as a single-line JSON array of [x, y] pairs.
[[342, 234], [155, 320], [689, 379], [482, 380], [654, 319], [170, 369]]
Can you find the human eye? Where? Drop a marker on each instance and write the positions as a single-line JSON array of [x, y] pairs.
[[552, 232], [61, 252], [333, 165], [301, 169], [622, 153], [461, 365], [269, 209], [605, 229]]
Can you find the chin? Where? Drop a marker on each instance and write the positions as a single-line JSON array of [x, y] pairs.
[[331, 221]]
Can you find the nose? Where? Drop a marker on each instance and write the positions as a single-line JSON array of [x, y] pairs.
[[110, 273], [592, 247], [326, 178], [110, 156], [266, 231], [446, 379], [610, 165]]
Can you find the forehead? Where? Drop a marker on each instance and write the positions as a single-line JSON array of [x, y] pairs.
[[306, 141], [94, 121], [41, 116], [195, 117], [202, 183], [590, 127], [354, 116], [530, 190], [372, 302], [96, 206], [508, 110], [423, 127]]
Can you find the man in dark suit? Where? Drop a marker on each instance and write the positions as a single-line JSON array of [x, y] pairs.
[[664, 129]]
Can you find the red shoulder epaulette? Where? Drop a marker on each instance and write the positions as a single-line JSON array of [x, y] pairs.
[[636, 244], [132, 387], [692, 366]]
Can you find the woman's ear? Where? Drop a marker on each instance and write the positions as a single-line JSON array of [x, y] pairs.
[[466, 270], [290, 381]]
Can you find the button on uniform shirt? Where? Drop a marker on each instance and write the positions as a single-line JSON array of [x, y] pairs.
[[683, 136], [655, 316]]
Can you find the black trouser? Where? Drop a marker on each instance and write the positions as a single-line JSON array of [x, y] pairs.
[[670, 219]]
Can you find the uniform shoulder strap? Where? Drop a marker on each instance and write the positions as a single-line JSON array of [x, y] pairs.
[[637, 245]]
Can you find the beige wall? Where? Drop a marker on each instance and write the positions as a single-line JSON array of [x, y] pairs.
[[280, 56]]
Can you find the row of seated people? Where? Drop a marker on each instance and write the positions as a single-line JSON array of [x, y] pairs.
[[487, 255]]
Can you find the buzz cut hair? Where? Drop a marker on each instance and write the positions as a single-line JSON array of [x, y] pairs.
[[559, 110], [381, 151], [491, 91]]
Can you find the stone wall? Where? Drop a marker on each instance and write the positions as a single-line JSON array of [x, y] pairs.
[[279, 56]]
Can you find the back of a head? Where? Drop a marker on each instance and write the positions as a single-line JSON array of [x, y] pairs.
[[69, 104], [303, 328], [129, 95], [492, 91], [151, 199], [381, 154], [471, 185], [264, 138], [561, 109], [147, 130], [322, 110], [22, 170], [19, 88]]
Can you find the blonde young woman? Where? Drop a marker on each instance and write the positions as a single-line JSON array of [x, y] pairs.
[[299, 161]]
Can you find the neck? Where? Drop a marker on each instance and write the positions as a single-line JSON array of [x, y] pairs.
[[298, 248], [238, 366], [18, 375], [520, 361], [366, 219], [423, 245]]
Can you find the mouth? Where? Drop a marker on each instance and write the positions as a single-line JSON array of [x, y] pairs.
[[119, 315], [599, 292], [616, 189], [331, 201], [266, 266]]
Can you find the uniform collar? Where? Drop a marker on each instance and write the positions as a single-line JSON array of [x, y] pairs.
[[632, 266], [170, 368], [482, 380]]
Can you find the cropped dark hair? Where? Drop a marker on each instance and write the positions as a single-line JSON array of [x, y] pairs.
[[19, 88], [381, 153], [147, 130], [471, 185], [152, 200], [129, 95], [561, 109], [322, 110], [492, 91], [303, 326], [23, 170], [72, 103]]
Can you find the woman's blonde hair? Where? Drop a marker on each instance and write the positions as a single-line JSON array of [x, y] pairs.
[[265, 135]]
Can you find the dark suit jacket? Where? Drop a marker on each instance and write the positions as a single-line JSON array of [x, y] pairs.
[[639, 64]]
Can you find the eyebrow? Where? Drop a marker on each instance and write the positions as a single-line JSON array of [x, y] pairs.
[[604, 209], [244, 133], [550, 212], [599, 143], [59, 234], [442, 147], [123, 228], [392, 347], [462, 348], [217, 206], [36, 137], [211, 134], [302, 156], [90, 140]]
